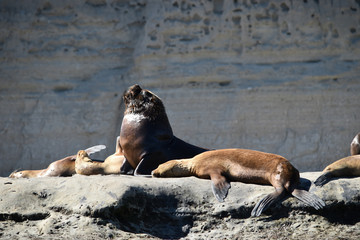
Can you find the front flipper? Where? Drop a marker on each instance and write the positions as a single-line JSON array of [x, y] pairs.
[[126, 168], [267, 201], [148, 163], [323, 179], [220, 186]]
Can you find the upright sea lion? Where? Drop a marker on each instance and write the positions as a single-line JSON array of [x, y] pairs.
[[60, 168], [146, 136], [355, 145], [242, 165], [112, 164]]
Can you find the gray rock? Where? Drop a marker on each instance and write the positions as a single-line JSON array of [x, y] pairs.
[[126, 207], [276, 76]]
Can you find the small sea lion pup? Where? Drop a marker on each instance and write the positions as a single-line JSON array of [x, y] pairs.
[[355, 145], [146, 136], [344, 167], [111, 165], [61, 168], [242, 165]]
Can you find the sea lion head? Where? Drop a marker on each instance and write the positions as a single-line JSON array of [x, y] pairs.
[[81, 155], [144, 102], [16, 174], [173, 168]]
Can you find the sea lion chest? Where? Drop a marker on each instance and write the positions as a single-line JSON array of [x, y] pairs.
[[140, 136]]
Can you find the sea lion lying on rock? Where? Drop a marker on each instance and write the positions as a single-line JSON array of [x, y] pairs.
[[344, 167], [146, 136], [61, 168], [112, 164], [242, 165]]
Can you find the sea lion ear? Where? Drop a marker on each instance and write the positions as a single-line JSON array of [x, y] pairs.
[[220, 187], [95, 149]]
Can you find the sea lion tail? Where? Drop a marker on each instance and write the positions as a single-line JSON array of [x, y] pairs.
[[323, 179], [308, 198], [266, 202], [94, 149]]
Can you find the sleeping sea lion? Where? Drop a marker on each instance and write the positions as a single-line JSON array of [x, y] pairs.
[[112, 164], [242, 165], [60, 168], [344, 167], [146, 136]]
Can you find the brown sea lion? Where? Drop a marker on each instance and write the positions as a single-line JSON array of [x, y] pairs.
[[60, 168], [112, 164], [242, 165], [345, 167], [355, 145], [146, 136]]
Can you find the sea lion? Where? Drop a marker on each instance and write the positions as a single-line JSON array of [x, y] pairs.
[[112, 164], [345, 167], [355, 145], [242, 165], [61, 168], [146, 136]]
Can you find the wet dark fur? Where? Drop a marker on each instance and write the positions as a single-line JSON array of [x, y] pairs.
[[150, 141]]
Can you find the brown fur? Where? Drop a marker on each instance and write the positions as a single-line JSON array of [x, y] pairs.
[[345, 167], [60, 168], [112, 164], [242, 165]]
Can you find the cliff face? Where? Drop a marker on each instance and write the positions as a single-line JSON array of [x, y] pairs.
[[276, 76], [125, 207]]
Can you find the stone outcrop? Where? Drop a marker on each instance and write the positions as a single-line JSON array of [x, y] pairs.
[[126, 207], [277, 76]]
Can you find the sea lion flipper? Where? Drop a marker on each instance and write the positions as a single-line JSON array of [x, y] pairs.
[[323, 179], [147, 164], [220, 187], [309, 198], [266, 202], [94, 149], [126, 168]]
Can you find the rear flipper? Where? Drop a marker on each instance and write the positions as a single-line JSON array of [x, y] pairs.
[[267, 201], [94, 149], [308, 198], [323, 179], [220, 187]]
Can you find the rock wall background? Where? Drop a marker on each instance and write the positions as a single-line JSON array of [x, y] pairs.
[[277, 76]]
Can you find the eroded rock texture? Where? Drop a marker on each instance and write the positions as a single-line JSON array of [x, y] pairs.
[[277, 76], [125, 207]]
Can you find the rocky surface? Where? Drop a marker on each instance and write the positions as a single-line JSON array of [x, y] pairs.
[[126, 207], [277, 76]]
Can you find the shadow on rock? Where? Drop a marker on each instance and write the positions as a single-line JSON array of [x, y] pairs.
[[341, 213], [154, 214]]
